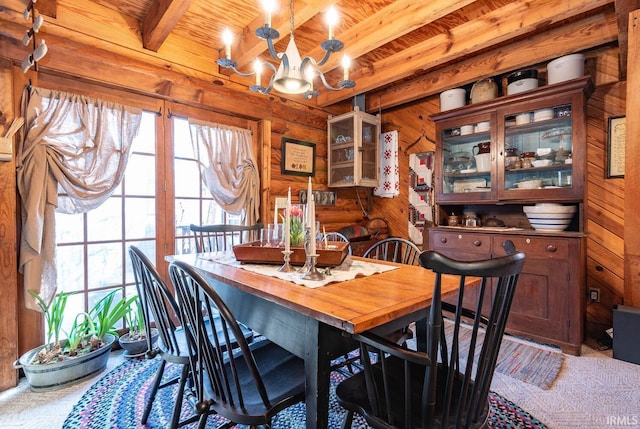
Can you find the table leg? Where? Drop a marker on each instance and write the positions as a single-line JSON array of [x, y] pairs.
[[321, 345]]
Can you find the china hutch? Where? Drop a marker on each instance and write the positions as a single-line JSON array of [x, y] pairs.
[[497, 157]]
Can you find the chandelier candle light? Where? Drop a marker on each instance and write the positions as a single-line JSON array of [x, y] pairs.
[[295, 74]]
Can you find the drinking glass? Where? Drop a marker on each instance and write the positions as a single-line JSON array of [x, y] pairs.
[[274, 232]]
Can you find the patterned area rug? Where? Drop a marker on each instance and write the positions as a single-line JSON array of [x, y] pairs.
[[117, 401], [523, 360]]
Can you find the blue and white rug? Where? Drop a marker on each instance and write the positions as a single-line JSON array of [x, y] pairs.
[[117, 401]]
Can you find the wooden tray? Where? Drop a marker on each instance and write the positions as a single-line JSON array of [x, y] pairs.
[[253, 253]]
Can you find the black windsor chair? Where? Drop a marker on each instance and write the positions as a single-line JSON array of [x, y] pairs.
[[222, 237], [394, 249], [336, 236], [443, 383], [159, 307], [249, 386]]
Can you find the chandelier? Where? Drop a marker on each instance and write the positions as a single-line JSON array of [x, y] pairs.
[[295, 74]]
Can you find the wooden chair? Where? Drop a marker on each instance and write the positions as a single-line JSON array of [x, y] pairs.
[[247, 387], [160, 307], [443, 383], [222, 237], [394, 249], [336, 236]]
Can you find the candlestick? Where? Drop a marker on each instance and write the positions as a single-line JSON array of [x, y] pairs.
[[286, 267], [287, 223]]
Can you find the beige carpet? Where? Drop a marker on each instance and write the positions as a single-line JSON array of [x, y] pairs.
[[591, 391]]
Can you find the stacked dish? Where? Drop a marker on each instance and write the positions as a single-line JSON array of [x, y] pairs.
[[542, 115], [549, 216], [530, 184]]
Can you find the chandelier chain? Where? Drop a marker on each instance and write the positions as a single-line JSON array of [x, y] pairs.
[[291, 23]]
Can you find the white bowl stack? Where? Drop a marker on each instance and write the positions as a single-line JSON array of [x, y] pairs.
[[549, 216]]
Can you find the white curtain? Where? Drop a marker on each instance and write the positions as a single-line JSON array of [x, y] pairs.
[[229, 167], [76, 146]]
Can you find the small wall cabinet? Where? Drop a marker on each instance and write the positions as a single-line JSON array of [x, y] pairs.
[[353, 149], [492, 159]]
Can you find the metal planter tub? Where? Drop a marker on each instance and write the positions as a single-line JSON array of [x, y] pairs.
[[56, 375]]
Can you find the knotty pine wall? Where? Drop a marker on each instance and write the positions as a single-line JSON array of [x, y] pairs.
[[8, 243]]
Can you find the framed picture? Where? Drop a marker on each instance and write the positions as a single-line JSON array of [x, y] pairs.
[[616, 146], [298, 157]]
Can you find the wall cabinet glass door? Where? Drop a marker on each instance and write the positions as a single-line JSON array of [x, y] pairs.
[[353, 142], [528, 147]]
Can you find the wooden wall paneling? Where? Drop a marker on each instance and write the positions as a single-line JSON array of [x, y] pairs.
[[414, 125], [632, 160], [8, 240], [605, 197], [264, 137]]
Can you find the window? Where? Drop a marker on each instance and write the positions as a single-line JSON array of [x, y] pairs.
[[193, 202], [92, 248], [92, 258]]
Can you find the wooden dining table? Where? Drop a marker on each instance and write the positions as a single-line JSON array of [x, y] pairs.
[[315, 324]]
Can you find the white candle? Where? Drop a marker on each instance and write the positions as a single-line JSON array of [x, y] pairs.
[[287, 223], [312, 219], [269, 6], [227, 38], [324, 232], [257, 66], [309, 194], [275, 213], [332, 20], [346, 62]]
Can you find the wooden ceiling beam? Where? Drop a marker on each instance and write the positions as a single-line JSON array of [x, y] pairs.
[[592, 31], [98, 27], [399, 18], [514, 20], [623, 8], [70, 59], [162, 17]]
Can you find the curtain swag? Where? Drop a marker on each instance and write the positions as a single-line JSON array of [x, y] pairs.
[[228, 167], [76, 147]]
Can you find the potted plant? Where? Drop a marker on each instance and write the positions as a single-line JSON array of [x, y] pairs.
[[135, 342], [86, 348]]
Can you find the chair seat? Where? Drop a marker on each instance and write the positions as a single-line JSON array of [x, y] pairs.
[[181, 356], [283, 376], [352, 394]]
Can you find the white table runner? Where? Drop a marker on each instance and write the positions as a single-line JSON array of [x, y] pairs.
[[348, 270]]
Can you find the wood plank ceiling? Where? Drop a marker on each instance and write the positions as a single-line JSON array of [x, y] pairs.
[[401, 49]]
